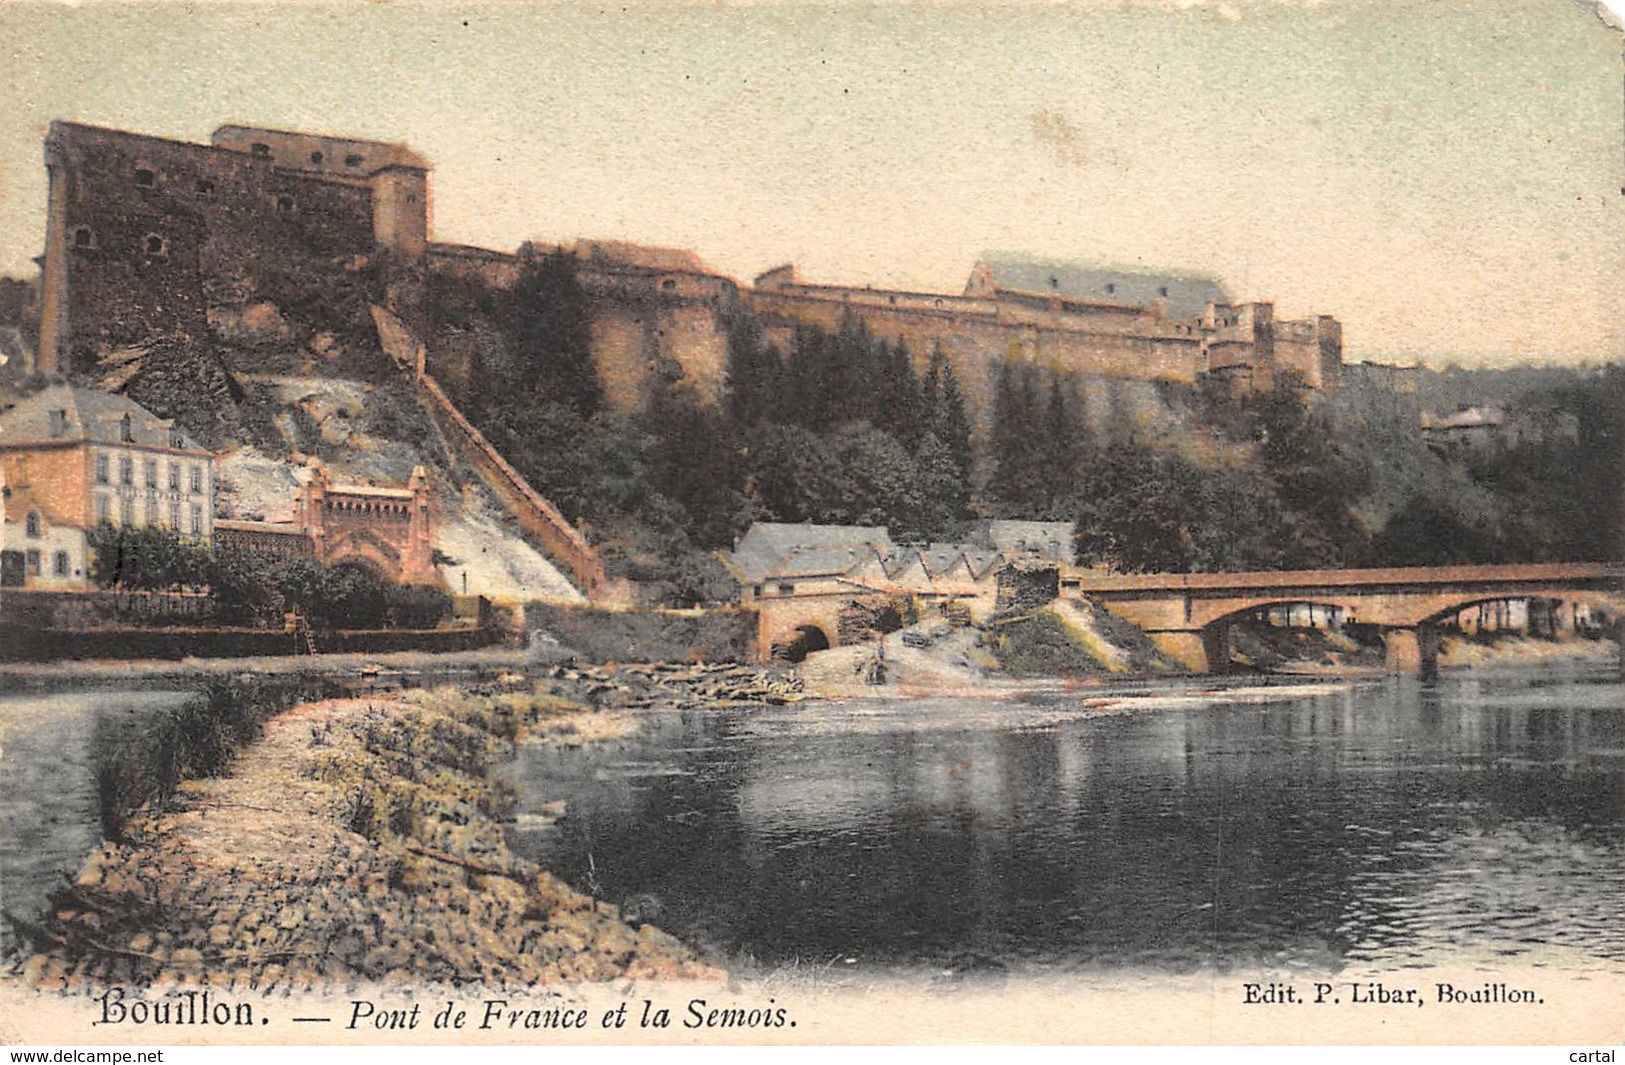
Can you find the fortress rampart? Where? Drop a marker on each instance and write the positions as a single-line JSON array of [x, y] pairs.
[[145, 234]]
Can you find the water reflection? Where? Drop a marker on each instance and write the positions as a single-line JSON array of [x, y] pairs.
[[48, 815], [1388, 824]]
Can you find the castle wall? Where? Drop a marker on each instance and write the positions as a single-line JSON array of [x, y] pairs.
[[646, 323], [146, 233], [976, 342]]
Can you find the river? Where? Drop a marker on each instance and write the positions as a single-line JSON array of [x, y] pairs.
[[1474, 820], [49, 822]]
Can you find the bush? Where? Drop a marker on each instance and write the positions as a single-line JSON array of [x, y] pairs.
[[143, 764]]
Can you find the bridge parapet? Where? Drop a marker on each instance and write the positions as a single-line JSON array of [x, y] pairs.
[[1188, 614]]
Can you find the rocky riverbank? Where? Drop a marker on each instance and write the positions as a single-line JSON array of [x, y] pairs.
[[358, 840]]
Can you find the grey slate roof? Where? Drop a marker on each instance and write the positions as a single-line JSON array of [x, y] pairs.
[[86, 414], [1187, 294], [779, 549]]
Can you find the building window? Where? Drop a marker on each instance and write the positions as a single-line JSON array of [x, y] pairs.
[[124, 513], [177, 440], [83, 237], [197, 478], [175, 515], [59, 423], [205, 187], [352, 160], [33, 563], [152, 511], [1054, 282], [316, 157], [101, 469], [1162, 290], [126, 432], [284, 204], [197, 520], [1110, 288], [411, 197], [145, 178], [786, 589], [60, 564], [157, 247], [152, 473], [102, 515], [260, 151], [174, 477], [126, 471], [33, 525]]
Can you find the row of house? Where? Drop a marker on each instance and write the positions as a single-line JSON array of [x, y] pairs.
[[777, 561], [73, 459]]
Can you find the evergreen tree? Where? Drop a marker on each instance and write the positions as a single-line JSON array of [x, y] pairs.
[[752, 372], [548, 327], [900, 404], [944, 411]]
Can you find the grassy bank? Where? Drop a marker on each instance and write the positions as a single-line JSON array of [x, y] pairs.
[[358, 840]]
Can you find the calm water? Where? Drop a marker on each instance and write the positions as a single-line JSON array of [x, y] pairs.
[[48, 814], [1476, 820]]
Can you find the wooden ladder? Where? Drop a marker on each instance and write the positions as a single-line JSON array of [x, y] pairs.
[[302, 627]]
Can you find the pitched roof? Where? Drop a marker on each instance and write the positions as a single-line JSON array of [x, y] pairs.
[[640, 256], [1187, 295], [61, 413], [780, 548]]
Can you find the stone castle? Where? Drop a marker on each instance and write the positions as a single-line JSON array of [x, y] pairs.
[[146, 235]]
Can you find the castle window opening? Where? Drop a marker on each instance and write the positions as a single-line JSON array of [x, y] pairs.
[[175, 515], [284, 204], [174, 477], [177, 440], [145, 178], [84, 238], [197, 478], [33, 525], [124, 512], [316, 157], [101, 469], [1054, 282], [151, 472], [33, 563], [60, 565], [1110, 288], [59, 423], [1162, 290], [157, 246], [352, 160], [260, 151], [668, 285], [411, 197], [204, 187], [126, 433], [102, 517], [197, 521], [152, 511], [126, 471]]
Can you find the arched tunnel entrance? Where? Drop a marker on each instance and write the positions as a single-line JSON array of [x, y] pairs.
[[800, 643]]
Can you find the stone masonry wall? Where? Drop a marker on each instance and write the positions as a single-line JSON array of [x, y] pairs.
[[154, 231]]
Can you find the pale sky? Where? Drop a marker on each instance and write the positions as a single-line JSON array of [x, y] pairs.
[[1445, 177]]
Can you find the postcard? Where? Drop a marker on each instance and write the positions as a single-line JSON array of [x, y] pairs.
[[750, 524]]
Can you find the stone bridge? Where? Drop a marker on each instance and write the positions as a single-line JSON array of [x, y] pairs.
[[1188, 615]]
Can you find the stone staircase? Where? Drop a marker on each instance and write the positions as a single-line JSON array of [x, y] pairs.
[[538, 518]]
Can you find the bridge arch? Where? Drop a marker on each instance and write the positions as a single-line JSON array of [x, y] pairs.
[[1214, 634], [796, 644]]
